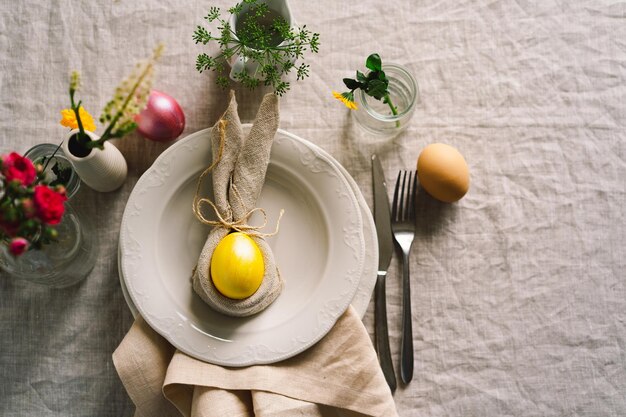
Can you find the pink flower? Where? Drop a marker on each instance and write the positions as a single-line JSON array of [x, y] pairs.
[[16, 167], [18, 246], [49, 204]]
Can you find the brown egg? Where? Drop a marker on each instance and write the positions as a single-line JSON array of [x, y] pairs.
[[443, 172]]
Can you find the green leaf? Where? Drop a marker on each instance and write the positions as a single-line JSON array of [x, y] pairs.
[[361, 77], [377, 89], [204, 62], [351, 84], [214, 13], [372, 75], [315, 43], [222, 81], [201, 35], [281, 88], [63, 175], [236, 9], [303, 71], [374, 63]]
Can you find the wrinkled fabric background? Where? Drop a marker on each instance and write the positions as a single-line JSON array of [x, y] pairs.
[[519, 290]]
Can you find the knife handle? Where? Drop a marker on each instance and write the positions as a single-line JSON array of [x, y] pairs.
[[382, 333]]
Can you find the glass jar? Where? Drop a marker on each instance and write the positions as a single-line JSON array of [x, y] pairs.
[[377, 117], [55, 165], [70, 258]]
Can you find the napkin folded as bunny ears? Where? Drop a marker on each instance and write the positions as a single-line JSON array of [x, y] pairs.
[[238, 171]]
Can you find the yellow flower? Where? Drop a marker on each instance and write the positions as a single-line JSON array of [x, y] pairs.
[[69, 119], [347, 99]]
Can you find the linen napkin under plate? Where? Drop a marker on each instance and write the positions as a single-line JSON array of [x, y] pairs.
[[339, 376]]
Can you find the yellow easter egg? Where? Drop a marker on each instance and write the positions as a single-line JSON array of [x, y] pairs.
[[237, 266]]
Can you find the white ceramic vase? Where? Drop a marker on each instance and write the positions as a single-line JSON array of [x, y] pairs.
[[102, 169]]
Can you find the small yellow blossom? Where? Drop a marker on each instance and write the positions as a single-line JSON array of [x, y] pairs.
[[69, 119], [345, 99]]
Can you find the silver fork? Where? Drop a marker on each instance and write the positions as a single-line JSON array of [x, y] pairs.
[[403, 228]]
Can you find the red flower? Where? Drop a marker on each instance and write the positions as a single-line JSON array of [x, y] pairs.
[[49, 204], [16, 167], [18, 246]]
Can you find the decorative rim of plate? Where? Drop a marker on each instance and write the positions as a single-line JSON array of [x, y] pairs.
[[177, 329]]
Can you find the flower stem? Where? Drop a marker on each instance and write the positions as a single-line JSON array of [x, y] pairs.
[[51, 156], [107, 133], [393, 108], [76, 108]]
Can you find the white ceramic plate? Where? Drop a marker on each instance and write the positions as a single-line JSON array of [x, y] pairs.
[[362, 298], [320, 252]]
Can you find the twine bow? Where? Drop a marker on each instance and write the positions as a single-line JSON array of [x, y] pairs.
[[240, 225]]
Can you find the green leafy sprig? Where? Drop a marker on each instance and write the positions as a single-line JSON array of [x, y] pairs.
[[374, 84], [272, 43]]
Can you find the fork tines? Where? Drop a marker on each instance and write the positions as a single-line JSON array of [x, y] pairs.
[[404, 209]]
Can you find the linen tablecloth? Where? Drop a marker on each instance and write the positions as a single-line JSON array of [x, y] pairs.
[[519, 290]]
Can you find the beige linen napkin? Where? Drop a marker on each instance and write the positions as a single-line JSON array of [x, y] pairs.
[[337, 377]]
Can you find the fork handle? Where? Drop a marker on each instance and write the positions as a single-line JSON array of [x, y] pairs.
[[382, 333], [406, 349]]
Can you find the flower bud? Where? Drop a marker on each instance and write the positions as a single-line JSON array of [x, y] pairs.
[[51, 233], [15, 186], [30, 224], [60, 189], [18, 246], [28, 206]]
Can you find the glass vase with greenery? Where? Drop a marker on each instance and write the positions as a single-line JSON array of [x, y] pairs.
[[262, 36]]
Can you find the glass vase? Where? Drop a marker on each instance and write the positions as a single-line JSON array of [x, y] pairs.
[[70, 258], [55, 165], [377, 117]]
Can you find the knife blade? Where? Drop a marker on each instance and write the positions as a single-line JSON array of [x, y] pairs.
[[382, 218]]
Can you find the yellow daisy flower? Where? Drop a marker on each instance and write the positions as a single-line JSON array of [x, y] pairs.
[[69, 119], [347, 99]]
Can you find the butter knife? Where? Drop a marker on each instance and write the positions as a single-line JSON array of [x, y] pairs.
[[382, 218]]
